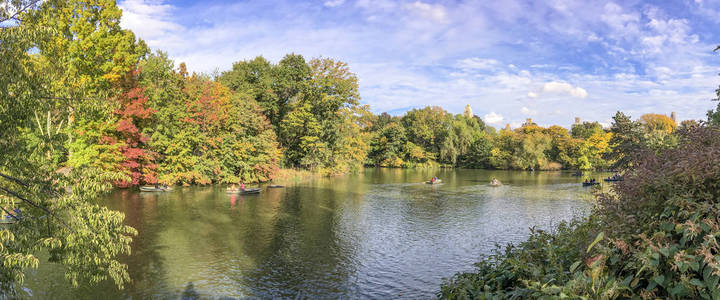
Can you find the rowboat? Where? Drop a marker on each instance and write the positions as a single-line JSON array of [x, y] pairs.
[[590, 183], [495, 183], [244, 192], [149, 188], [275, 186], [435, 182], [613, 179]]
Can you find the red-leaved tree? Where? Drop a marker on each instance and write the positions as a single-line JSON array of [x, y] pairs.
[[133, 113]]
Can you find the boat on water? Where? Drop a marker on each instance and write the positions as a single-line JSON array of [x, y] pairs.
[[275, 186], [433, 182], [150, 188], [613, 179], [495, 183], [243, 192], [590, 183]]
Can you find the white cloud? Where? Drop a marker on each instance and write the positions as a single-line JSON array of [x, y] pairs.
[[434, 12], [151, 20], [493, 118], [556, 87], [526, 111], [532, 95], [334, 3], [477, 63]]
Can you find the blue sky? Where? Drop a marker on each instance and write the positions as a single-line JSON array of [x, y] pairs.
[[510, 60]]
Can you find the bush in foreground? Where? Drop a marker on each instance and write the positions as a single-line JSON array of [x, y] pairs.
[[654, 236]]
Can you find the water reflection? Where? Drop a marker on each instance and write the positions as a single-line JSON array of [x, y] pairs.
[[379, 234]]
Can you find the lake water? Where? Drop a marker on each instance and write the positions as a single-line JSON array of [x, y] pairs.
[[381, 233]]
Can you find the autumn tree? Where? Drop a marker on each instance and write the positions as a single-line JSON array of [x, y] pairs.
[[133, 115], [658, 122], [204, 132]]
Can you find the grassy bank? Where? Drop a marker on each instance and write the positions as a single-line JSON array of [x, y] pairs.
[[294, 176]]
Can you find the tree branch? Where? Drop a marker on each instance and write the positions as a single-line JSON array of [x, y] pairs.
[[19, 11], [33, 204], [18, 181]]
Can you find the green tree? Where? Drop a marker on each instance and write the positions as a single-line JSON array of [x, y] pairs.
[[325, 121], [53, 171], [387, 145], [627, 138], [585, 129], [274, 87], [427, 127]]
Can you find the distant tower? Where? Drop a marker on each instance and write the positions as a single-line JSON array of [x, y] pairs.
[[468, 112], [577, 121], [528, 121], [507, 126], [673, 116]]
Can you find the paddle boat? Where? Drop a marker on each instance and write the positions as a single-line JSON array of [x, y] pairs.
[[243, 192], [614, 178], [150, 188]]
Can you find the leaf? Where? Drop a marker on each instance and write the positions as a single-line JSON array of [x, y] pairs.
[[679, 291], [697, 282], [574, 266], [659, 279], [597, 239]]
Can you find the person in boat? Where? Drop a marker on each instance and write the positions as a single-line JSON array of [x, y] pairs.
[[157, 186], [242, 186], [586, 181]]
